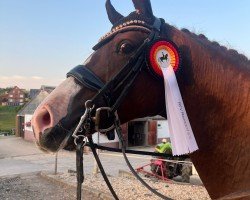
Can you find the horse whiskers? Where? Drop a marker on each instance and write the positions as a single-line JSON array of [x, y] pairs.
[[41, 148], [60, 126], [64, 142]]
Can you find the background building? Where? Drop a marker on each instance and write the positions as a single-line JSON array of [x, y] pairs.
[[146, 131], [4, 99], [23, 118], [34, 92], [15, 97]]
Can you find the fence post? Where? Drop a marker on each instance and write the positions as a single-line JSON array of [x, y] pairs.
[[56, 155]]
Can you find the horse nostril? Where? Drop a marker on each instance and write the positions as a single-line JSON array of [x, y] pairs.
[[42, 120], [46, 119]]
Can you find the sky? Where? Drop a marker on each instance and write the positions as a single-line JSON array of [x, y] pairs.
[[40, 41]]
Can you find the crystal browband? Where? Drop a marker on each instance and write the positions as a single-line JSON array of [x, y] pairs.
[[123, 25], [126, 26]]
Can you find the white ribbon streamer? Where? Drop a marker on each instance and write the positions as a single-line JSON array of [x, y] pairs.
[[181, 134]]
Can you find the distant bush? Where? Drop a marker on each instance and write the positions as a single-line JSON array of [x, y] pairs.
[[8, 118], [10, 108], [5, 131]]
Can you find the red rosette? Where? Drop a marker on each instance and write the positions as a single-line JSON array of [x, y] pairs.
[[166, 46]]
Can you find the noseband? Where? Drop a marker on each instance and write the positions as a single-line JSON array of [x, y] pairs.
[[122, 82]]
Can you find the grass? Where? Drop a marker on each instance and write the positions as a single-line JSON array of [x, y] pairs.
[[8, 117]]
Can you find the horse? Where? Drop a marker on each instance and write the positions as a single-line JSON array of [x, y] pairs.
[[214, 83]]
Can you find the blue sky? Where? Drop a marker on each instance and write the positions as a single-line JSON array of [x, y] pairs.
[[41, 40]]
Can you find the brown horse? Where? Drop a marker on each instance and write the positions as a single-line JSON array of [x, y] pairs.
[[214, 83]]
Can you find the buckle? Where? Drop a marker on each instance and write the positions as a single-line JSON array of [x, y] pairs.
[[109, 115]]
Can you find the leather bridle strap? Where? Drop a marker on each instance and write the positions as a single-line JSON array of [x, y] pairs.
[[123, 147], [86, 77], [93, 148]]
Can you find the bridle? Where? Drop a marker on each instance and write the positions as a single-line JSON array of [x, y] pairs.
[[125, 77], [121, 82]]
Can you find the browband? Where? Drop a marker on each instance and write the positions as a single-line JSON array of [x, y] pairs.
[[109, 37], [133, 25]]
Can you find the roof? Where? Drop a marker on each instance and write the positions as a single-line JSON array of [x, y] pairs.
[[31, 106], [34, 92], [16, 88], [47, 88]]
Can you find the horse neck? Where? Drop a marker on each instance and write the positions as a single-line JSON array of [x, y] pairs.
[[216, 95]]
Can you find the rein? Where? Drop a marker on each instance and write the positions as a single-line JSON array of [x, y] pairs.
[[123, 81]]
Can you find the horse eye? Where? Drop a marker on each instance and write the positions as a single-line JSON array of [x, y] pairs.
[[125, 48]]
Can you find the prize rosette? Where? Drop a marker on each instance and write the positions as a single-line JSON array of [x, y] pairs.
[[163, 53]]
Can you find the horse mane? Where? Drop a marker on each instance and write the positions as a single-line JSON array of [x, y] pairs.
[[230, 54]]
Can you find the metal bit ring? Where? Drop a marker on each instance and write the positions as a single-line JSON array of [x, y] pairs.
[[83, 142]]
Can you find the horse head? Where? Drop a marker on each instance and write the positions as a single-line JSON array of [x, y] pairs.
[[58, 114], [214, 83]]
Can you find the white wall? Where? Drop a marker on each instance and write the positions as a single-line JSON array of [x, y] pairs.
[[103, 138], [27, 118], [162, 129]]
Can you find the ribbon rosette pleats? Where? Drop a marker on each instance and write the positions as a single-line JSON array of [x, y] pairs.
[[164, 59]]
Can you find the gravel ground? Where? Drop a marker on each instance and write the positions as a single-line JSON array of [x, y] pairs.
[[35, 187], [130, 189], [16, 158]]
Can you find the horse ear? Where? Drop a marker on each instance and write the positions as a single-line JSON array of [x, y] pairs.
[[113, 15], [143, 7]]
